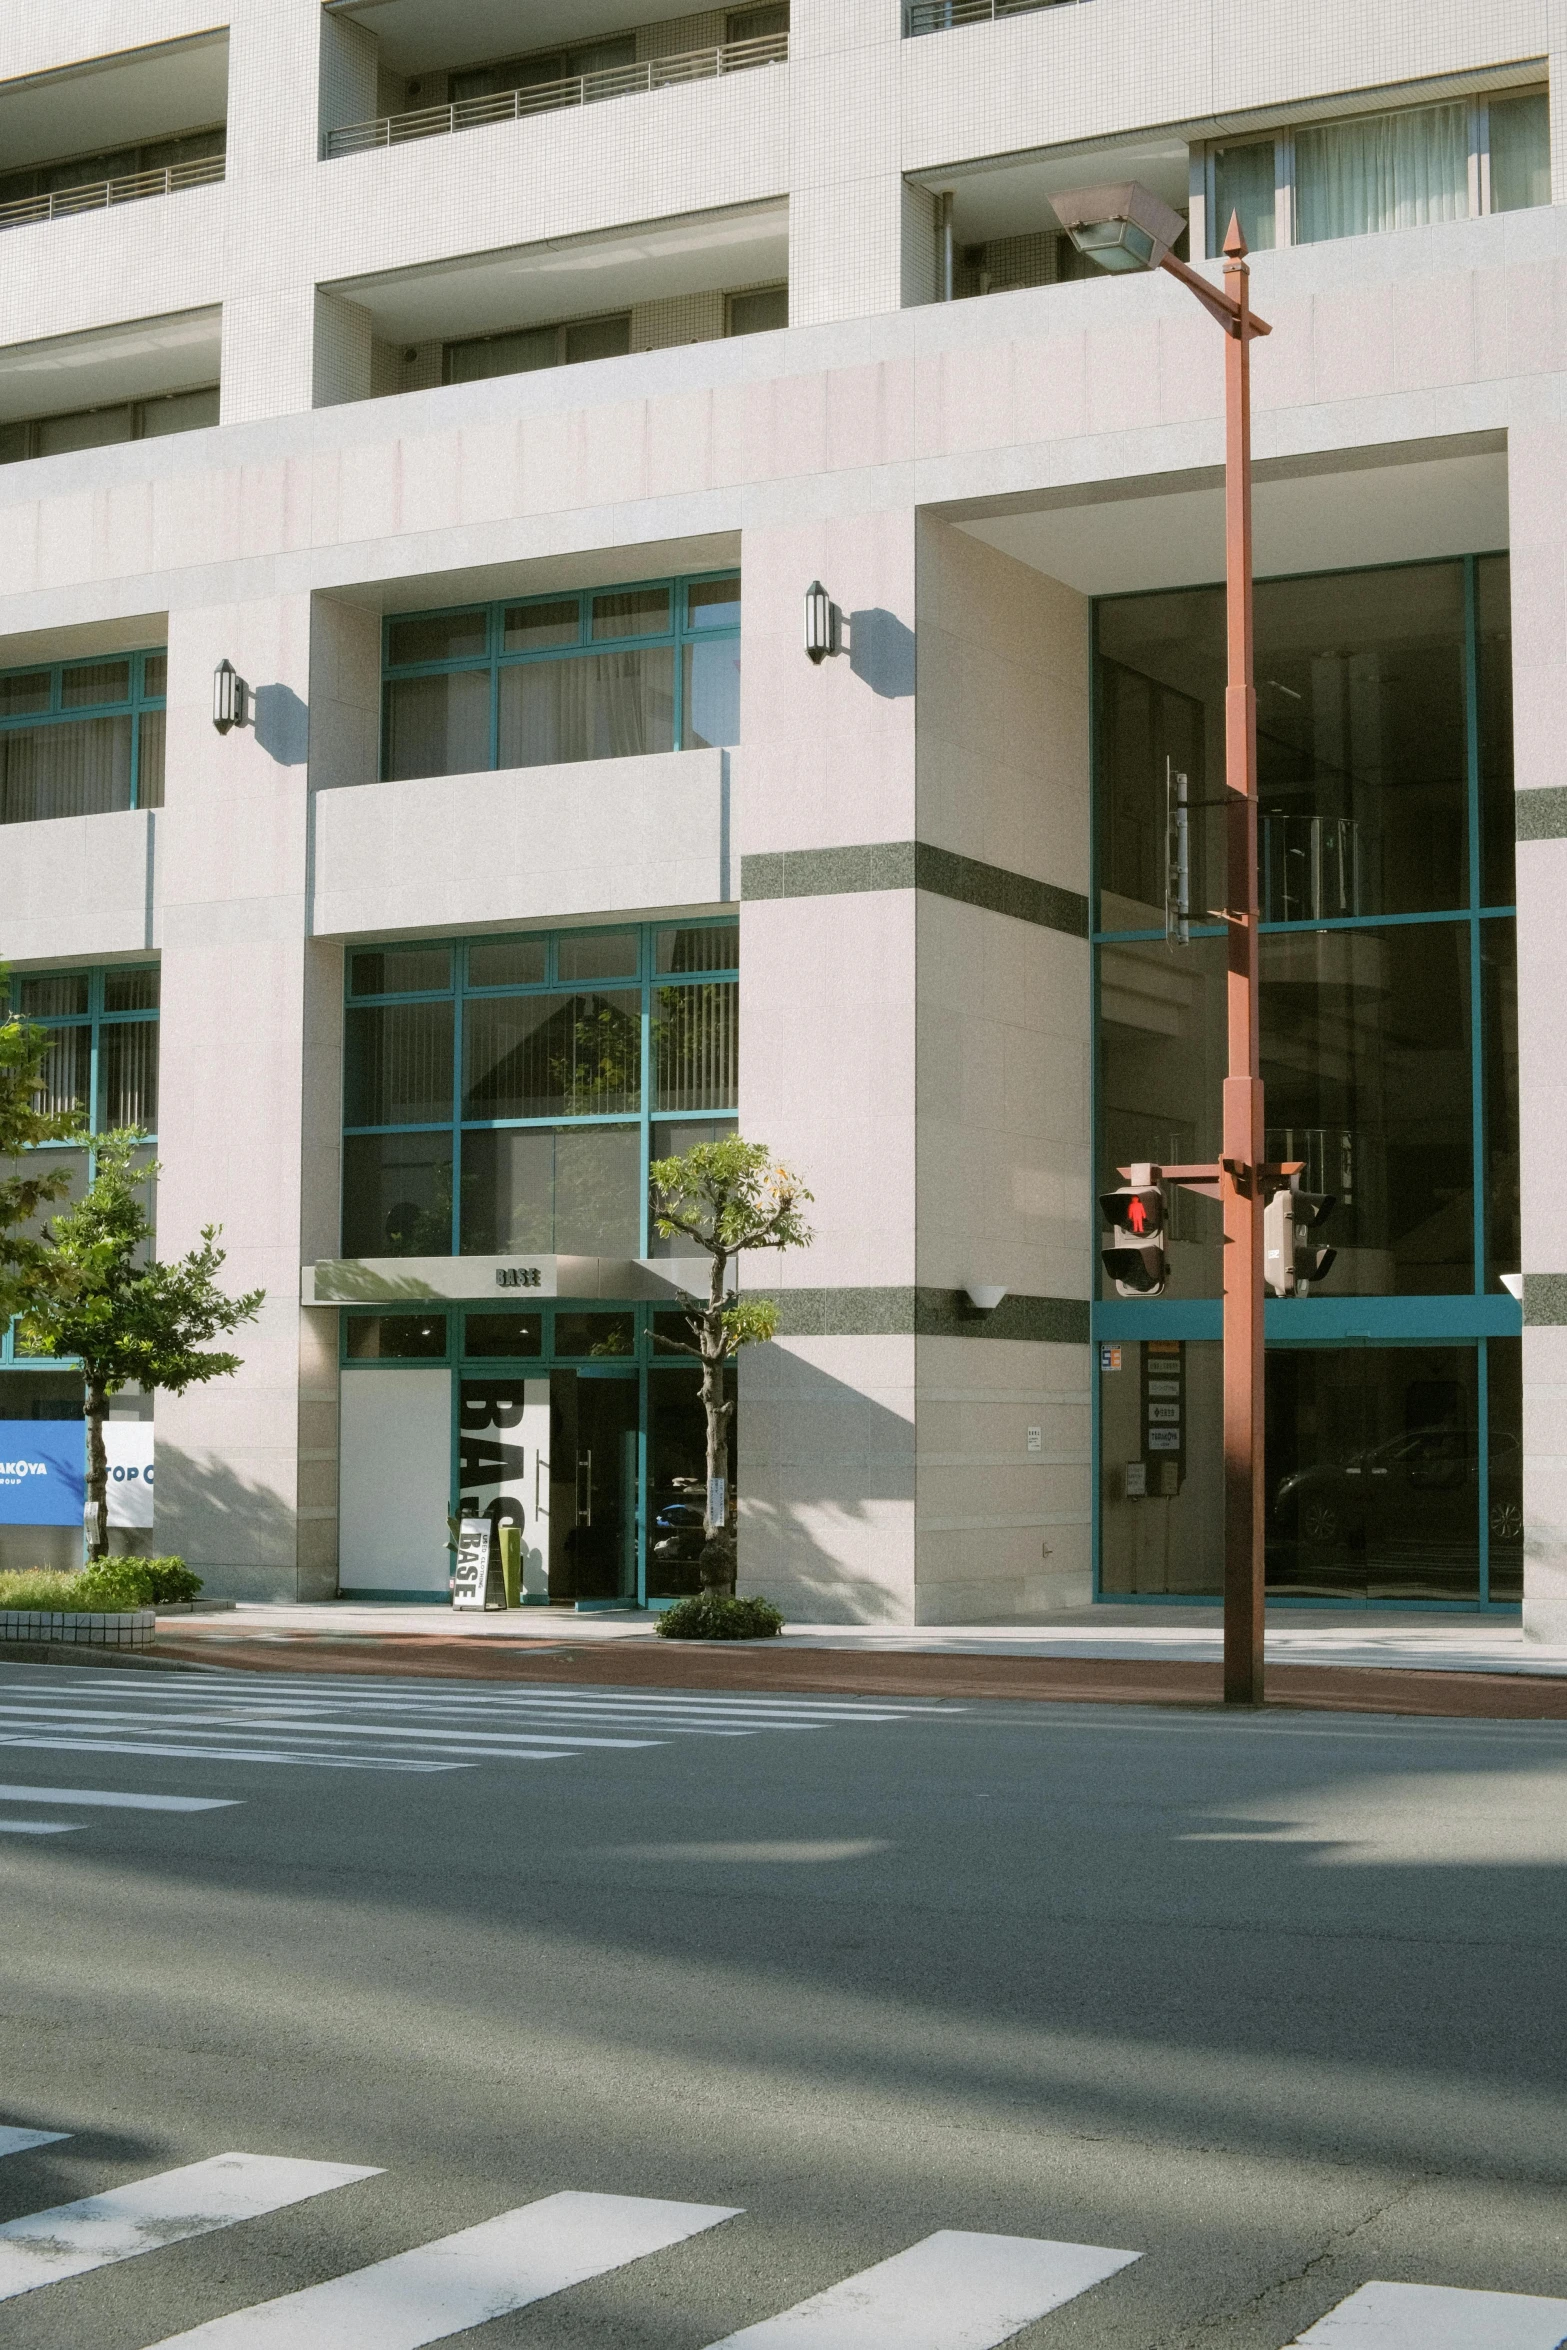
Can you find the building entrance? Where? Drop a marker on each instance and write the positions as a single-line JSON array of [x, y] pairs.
[[575, 1423]]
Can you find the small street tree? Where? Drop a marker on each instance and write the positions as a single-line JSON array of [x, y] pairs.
[[132, 1320], [27, 1184], [725, 1197]]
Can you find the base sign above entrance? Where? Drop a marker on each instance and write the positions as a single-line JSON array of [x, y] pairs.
[[393, 1281]]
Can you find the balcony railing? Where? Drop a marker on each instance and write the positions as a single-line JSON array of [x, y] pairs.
[[585, 89], [98, 194], [938, 16]]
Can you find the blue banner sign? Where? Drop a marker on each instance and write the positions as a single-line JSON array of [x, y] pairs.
[[43, 1472]]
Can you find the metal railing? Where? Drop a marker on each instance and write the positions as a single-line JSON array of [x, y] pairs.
[[939, 16], [99, 194], [585, 89]]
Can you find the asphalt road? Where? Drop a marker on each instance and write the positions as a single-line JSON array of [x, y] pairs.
[[1278, 2005]]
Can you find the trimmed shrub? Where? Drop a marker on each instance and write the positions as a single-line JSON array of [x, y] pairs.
[[717, 1616], [132, 1582]]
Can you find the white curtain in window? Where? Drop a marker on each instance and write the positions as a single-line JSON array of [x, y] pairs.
[[1382, 171], [81, 768]]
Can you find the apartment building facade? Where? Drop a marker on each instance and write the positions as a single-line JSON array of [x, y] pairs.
[[487, 383]]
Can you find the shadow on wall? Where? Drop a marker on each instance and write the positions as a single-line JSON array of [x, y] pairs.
[[241, 1539], [881, 653], [282, 725], [826, 1494]]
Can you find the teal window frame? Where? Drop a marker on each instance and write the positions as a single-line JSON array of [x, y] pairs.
[[95, 1019], [495, 658], [1473, 1316], [132, 706], [648, 980]]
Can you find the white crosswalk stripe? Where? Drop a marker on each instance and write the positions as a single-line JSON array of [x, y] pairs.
[[18, 2141], [1438, 2317], [460, 2281], [41, 1827], [953, 2291], [150, 2213], [346, 1722], [116, 1799]]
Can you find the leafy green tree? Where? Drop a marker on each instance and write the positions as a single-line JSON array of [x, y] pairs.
[[132, 1320], [27, 1184], [725, 1197]]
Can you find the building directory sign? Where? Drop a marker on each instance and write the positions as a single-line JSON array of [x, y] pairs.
[[43, 1472]]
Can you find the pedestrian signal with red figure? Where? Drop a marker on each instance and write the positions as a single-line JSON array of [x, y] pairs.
[[1133, 1256]]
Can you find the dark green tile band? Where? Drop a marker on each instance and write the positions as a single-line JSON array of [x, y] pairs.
[[1545, 1301], [1541, 815], [913, 864], [928, 1313]]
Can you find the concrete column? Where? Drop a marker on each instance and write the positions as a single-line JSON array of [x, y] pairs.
[[1003, 1141], [828, 981], [233, 877], [1537, 459], [270, 308], [846, 191]]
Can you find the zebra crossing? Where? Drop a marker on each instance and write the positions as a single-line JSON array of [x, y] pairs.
[[353, 1723], [953, 2290]]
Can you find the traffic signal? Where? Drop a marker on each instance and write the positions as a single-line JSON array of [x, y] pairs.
[[1292, 1264], [1134, 1255]]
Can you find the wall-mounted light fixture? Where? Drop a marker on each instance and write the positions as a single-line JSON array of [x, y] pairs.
[[984, 1296], [823, 623], [230, 698]]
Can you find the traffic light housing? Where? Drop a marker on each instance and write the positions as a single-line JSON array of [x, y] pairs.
[[1292, 1263], [1134, 1255]]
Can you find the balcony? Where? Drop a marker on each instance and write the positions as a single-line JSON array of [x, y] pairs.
[[939, 16], [585, 89], [97, 195]]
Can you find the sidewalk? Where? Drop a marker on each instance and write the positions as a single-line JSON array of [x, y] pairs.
[[1457, 1667]]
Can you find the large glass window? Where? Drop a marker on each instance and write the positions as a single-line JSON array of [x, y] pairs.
[[1394, 1472], [1389, 1057], [1404, 168], [506, 1095], [608, 674], [81, 738], [101, 1028]]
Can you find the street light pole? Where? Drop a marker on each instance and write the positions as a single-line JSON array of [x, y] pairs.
[[1241, 1187], [1243, 1151], [1126, 227]]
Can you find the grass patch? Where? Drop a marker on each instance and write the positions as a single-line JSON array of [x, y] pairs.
[[106, 1587]]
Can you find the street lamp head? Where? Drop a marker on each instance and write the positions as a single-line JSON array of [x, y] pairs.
[[1121, 227]]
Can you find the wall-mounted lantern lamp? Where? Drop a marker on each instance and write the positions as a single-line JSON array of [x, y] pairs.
[[230, 698], [984, 1296], [823, 623]]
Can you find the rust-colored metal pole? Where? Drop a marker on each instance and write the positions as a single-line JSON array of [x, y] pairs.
[[1243, 1116]]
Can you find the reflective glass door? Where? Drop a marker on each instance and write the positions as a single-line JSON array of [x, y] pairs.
[[593, 1486]]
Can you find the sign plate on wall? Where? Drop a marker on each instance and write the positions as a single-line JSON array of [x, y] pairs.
[[405, 1281], [128, 1444], [43, 1472]]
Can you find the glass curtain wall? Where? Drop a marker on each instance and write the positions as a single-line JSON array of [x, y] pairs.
[[614, 673], [82, 738], [1389, 1059], [505, 1096]]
